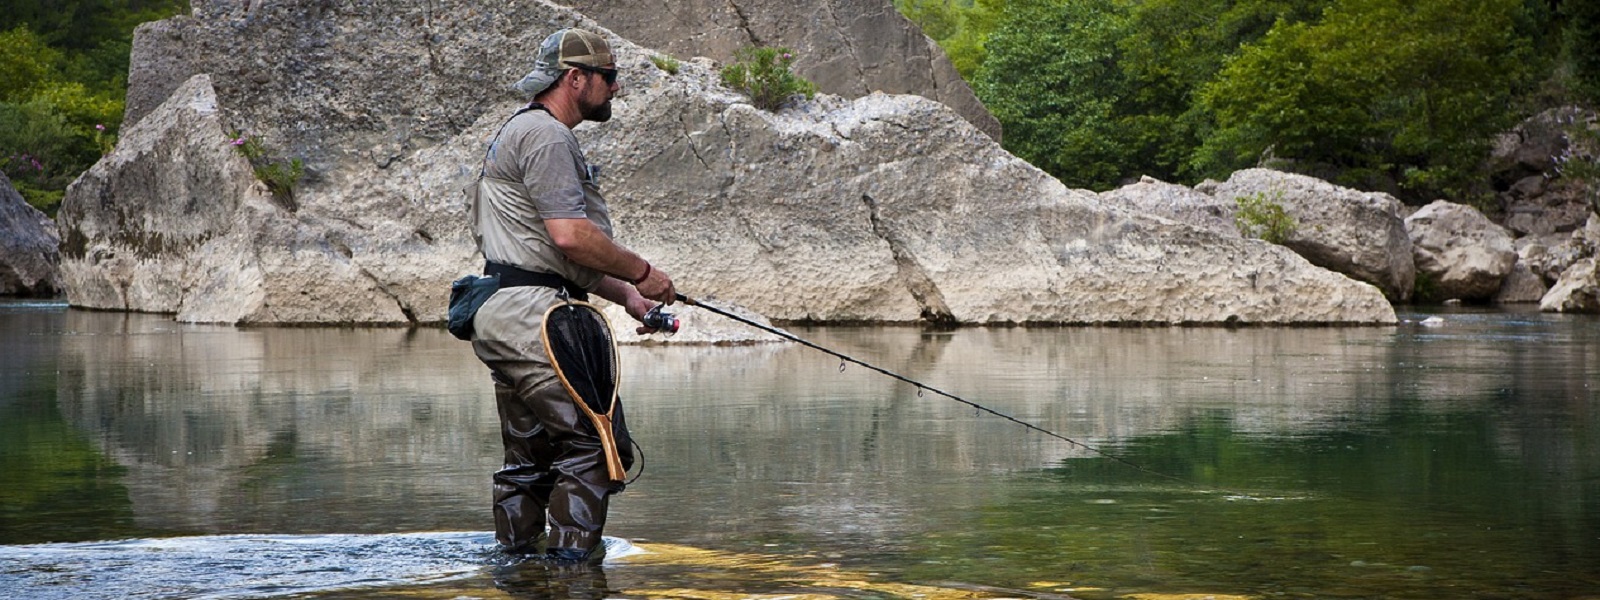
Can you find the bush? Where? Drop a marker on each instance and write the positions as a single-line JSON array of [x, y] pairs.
[[1264, 219], [279, 177], [41, 152], [764, 74], [665, 63]]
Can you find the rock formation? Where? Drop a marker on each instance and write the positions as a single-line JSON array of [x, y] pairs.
[[1578, 287], [1357, 233], [1463, 254], [28, 240], [850, 48], [883, 208]]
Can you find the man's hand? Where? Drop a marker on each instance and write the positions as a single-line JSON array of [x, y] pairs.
[[637, 307], [657, 286]]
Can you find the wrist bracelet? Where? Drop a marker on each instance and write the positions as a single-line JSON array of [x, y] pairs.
[[647, 271]]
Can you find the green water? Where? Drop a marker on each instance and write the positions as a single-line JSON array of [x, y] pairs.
[[1460, 461]]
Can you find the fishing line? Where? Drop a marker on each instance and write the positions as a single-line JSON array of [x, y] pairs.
[[979, 408]]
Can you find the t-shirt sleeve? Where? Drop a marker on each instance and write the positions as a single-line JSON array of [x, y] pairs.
[[551, 178]]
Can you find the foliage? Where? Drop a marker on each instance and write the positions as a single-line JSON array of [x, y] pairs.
[[63, 77], [1264, 219], [279, 177], [1580, 161], [961, 27], [764, 74], [1101, 91], [1581, 46], [1341, 93], [665, 63], [1376, 94]]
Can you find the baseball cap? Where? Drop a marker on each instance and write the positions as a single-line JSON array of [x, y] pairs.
[[563, 48]]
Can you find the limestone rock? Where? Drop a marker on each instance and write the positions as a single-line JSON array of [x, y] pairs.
[[1152, 196], [1465, 255], [884, 208], [157, 65], [28, 256], [1520, 286], [1531, 148], [1360, 234], [847, 47], [1577, 292]]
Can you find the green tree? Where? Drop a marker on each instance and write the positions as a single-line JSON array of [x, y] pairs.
[[1374, 92], [1101, 91], [1582, 47], [1051, 78], [961, 27], [63, 77]]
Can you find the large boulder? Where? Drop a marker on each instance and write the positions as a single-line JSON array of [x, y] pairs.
[[28, 256], [884, 208], [848, 47], [1578, 290], [1464, 254], [1180, 203], [1360, 234]]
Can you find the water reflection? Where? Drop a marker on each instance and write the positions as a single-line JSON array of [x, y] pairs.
[[1453, 448]]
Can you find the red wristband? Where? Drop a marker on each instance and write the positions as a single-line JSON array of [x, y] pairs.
[[647, 271]]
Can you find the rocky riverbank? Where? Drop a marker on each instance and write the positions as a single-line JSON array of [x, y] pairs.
[[883, 208]]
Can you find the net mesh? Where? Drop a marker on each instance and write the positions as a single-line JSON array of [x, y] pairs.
[[580, 346]]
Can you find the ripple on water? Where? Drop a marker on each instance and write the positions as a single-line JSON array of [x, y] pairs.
[[240, 566]]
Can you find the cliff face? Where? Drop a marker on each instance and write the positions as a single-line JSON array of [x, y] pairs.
[[883, 208], [850, 48]]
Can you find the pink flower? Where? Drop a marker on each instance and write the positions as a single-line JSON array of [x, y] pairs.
[[99, 127], [238, 142]]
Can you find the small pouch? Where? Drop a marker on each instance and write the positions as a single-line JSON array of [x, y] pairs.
[[467, 294]]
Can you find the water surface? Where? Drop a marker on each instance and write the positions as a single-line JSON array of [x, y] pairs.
[[143, 458]]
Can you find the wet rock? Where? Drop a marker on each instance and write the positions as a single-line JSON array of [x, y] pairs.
[[29, 259], [1464, 254]]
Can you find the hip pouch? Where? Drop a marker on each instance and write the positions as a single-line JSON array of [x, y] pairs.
[[467, 294]]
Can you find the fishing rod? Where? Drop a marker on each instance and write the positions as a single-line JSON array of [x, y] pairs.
[[919, 385]]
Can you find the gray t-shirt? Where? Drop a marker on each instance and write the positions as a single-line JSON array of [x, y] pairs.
[[533, 171]]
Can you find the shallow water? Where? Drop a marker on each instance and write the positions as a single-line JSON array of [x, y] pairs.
[[142, 458]]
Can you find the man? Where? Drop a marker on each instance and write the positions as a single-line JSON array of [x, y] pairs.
[[545, 230]]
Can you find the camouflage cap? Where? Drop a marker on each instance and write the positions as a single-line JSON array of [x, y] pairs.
[[557, 52]]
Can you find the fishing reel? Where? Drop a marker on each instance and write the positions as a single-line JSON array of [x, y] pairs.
[[663, 322]]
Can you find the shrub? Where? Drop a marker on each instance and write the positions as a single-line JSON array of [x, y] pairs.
[[665, 63], [1263, 219], [764, 74], [279, 177]]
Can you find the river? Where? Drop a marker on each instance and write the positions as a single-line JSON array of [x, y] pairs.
[[143, 458]]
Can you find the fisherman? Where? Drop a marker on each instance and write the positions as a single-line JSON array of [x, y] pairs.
[[545, 230]]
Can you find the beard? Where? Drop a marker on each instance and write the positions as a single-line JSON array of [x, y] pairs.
[[599, 113]]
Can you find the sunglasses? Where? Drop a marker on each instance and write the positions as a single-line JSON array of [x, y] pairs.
[[610, 75]]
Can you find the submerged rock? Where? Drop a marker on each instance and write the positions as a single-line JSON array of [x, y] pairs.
[[884, 208]]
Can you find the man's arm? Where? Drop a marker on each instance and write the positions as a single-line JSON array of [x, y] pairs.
[[585, 244]]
